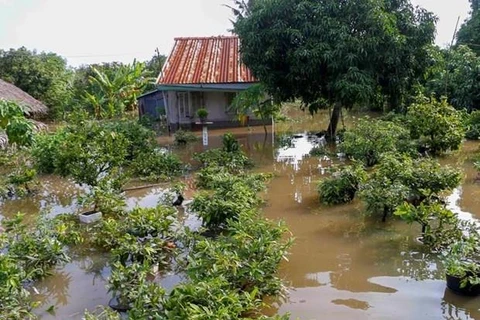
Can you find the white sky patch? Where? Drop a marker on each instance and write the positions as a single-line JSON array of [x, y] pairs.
[[90, 31]]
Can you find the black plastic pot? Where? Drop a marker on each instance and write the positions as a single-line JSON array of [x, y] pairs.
[[454, 284]]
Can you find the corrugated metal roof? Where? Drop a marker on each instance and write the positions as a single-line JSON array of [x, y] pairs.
[[205, 60]]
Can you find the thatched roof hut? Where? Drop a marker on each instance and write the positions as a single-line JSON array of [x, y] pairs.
[[10, 92]]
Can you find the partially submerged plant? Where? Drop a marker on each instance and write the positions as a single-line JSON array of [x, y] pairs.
[[370, 138], [342, 186], [183, 137]]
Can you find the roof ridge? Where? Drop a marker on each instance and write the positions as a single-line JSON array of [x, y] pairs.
[[206, 38]]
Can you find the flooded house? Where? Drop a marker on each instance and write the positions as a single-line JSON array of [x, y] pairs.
[[202, 72]]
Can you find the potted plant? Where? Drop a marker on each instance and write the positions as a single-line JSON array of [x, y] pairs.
[[202, 114], [463, 269]]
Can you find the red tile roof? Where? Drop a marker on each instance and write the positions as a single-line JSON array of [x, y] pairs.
[[205, 60]]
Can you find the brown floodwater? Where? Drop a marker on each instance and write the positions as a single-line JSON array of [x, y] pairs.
[[342, 265]]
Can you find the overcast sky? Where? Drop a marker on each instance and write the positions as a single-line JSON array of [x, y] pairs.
[[89, 31]]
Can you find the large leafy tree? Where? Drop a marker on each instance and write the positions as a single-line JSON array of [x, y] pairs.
[[455, 75], [45, 76], [469, 33], [336, 53]]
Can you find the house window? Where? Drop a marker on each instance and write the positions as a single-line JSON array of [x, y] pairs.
[[197, 101], [229, 96], [183, 104]]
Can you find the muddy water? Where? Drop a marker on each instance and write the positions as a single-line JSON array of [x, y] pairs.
[[342, 265]]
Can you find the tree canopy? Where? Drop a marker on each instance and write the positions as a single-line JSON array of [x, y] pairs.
[[341, 53], [45, 76], [469, 33]]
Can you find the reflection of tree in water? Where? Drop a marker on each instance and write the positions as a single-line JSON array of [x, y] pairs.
[[459, 307], [55, 195], [55, 288], [92, 262]]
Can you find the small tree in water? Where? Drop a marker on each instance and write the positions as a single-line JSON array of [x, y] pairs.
[[256, 100], [437, 124]]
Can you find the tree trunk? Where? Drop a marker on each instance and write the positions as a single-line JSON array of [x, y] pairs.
[[332, 127]]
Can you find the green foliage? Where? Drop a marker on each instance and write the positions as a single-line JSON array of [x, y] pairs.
[[219, 178], [157, 165], [112, 94], [27, 253], [336, 53], [129, 284], [140, 139], [19, 129], [104, 313], [229, 156], [202, 113], [208, 300], [45, 76], [343, 186], [248, 256], [455, 75], [224, 204], [469, 31], [256, 100], [461, 261], [438, 125], [89, 151], [399, 178], [183, 137], [230, 144], [473, 126], [143, 236], [369, 139], [440, 226]]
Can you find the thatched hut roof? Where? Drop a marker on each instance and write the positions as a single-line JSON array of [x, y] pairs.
[[10, 92]]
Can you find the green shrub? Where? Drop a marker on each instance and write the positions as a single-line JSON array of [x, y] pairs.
[[400, 178], [473, 126], [343, 186], [210, 299], [233, 161], [369, 139], [156, 166], [224, 204], [143, 235], [219, 177], [140, 139], [248, 256], [202, 113], [440, 226], [46, 149], [184, 137], [437, 124], [230, 143]]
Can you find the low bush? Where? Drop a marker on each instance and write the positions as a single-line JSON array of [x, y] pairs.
[[219, 177], [369, 139], [156, 166], [224, 204], [26, 254], [400, 178], [342, 187], [182, 137], [247, 256], [437, 125]]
